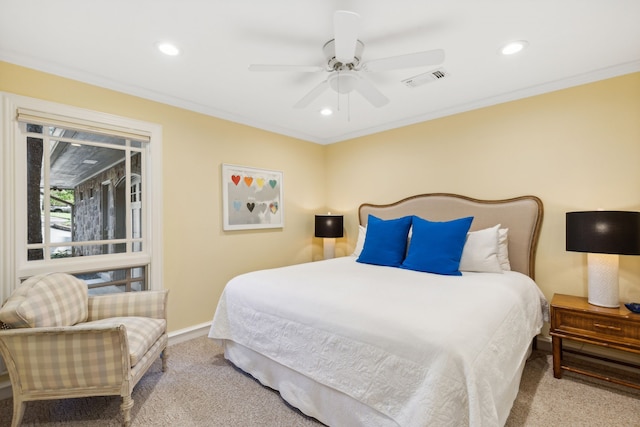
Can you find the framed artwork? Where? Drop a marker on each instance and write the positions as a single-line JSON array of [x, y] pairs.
[[251, 198]]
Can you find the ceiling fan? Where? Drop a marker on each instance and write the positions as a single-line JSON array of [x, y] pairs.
[[343, 55]]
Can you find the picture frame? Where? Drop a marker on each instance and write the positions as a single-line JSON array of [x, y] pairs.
[[252, 198]]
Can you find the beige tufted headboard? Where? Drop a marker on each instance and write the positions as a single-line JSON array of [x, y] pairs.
[[521, 215]]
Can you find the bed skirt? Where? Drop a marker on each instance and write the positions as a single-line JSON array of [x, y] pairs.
[[316, 400]]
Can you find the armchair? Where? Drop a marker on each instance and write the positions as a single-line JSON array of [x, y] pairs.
[[58, 342]]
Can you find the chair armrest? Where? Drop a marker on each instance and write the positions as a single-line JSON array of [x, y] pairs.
[[125, 304], [72, 357]]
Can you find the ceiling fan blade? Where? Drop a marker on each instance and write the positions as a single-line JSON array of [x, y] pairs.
[[293, 68], [371, 93], [418, 59], [346, 26], [312, 95]]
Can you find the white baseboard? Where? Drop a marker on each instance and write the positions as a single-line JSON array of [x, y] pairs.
[[543, 343], [175, 337], [186, 334]]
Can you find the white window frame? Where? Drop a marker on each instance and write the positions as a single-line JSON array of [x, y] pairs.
[[14, 266]]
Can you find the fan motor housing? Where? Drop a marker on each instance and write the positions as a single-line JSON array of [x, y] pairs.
[[329, 50]]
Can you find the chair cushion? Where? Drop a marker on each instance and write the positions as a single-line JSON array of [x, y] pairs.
[[46, 300], [142, 333]]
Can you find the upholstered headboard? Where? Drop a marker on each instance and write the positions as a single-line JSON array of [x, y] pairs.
[[521, 215]]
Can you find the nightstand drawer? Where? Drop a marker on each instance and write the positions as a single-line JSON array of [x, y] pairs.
[[602, 327]]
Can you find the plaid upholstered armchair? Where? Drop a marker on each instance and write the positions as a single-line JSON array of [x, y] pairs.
[[62, 343]]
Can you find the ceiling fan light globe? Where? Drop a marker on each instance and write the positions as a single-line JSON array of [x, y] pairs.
[[344, 82]]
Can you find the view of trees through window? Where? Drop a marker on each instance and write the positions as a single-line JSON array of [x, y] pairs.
[[61, 198], [61, 205]]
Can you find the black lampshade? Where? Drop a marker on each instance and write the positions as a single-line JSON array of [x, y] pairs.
[[604, 232], [329, 225]]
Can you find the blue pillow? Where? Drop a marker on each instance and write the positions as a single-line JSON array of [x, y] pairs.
[[386, 241], [436, 247]]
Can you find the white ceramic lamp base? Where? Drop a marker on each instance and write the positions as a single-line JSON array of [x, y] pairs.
[[603, 279], [329, 246]]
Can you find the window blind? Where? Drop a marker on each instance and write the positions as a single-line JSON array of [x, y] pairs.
[[26, 115]]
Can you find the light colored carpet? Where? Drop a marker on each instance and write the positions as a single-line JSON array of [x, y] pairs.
[[200, 388]]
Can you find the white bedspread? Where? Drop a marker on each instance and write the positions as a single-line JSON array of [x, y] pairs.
[[422, 349]]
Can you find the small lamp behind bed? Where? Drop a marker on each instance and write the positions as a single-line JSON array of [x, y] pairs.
[[603, 235], [329, 227]]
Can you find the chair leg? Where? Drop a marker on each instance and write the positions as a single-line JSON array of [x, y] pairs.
[[164, 357], [127, 404], [18, 411]]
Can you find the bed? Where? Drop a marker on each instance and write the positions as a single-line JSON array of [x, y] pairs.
[[355, 343]]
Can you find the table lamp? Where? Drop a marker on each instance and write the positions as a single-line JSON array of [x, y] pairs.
[[603, 235], [329, 227]]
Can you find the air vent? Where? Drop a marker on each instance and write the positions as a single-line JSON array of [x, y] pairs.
[[425, 78]]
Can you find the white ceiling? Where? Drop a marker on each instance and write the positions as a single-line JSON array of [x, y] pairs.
[[111, 43]]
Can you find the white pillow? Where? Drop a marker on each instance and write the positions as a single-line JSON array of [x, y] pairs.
[[362, 233], [503, 249], [480, 252]]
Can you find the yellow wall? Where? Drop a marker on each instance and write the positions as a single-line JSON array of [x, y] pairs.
[[576, 149], [199, 258]]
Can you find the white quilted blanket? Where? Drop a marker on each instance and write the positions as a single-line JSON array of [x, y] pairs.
[[421, 348]]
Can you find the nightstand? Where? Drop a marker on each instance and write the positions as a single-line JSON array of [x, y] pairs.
[[575, 319]]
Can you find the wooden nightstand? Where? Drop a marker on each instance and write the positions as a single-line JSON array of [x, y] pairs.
[[575, 319]]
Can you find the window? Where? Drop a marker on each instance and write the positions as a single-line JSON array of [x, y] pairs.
[[83, 185]]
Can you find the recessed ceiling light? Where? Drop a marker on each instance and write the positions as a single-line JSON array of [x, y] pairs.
[[168, 49], [513, 47], [326, 111]]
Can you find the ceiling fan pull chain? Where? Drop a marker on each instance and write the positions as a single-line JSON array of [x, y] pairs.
[[338, 91]]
